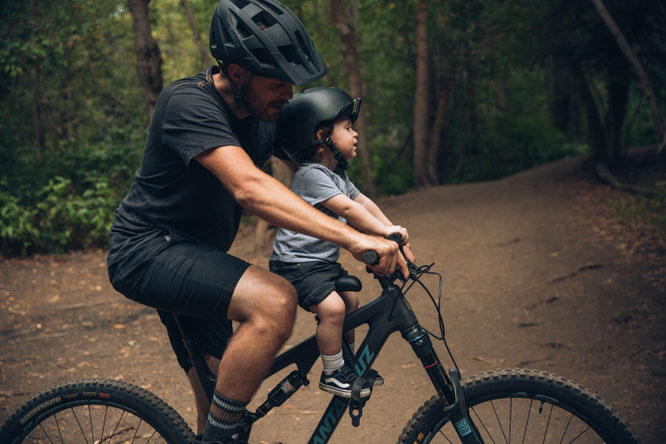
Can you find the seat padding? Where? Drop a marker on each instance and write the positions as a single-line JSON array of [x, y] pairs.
[[348, 283]]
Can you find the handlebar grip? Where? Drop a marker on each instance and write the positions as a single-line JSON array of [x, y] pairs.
[[370, 257], [395, 237]]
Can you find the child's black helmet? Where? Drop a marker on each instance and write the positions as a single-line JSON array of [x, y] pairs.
[[306, 112], [267, 39]]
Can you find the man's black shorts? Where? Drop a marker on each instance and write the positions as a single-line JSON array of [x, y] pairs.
[[185, 277], [312, 280]]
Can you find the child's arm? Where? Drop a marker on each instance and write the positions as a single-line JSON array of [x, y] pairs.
[[364, 215], [358, 216], [361, 218], [373, 209]]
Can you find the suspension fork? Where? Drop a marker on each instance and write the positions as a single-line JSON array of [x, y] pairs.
[[448, 389]]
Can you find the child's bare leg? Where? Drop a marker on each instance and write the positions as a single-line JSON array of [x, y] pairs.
[[331, 313], [337, 377]]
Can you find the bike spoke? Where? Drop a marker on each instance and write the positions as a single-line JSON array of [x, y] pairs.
[[151, 437], [92, 432], [545, 432], [445, 437], [499, 423], [116, 427], [510, 417], [46, 434], [55, 417], [529, 411], [136, 431], [579, 435], [483, 425], [566, 429], [80, 427], [101, 436]]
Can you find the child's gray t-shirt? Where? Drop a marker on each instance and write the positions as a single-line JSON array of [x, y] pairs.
[[314, 183]]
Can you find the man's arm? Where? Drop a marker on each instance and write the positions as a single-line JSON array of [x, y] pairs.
[[269, 199]]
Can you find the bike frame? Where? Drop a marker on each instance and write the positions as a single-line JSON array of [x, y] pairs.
[[388, 313]]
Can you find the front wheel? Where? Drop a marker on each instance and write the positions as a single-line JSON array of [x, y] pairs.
[[95, 411], [523, 406]]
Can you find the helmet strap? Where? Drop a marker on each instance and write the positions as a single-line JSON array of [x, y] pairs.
[[236, 91], [342, 162]]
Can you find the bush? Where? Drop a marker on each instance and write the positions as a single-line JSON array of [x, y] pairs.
[[56, 218]]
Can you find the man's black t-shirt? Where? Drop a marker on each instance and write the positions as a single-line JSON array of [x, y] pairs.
[[171, 190]]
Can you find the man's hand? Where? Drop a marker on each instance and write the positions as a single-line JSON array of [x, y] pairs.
[[407, 249], [388, 252]]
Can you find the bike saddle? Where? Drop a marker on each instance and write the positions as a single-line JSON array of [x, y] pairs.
[[348, 283]]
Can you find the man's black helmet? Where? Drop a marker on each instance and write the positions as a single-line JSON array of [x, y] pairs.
[[266, 38], [305, 113]]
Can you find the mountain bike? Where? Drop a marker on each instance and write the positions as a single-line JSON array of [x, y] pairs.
[[510, 405]]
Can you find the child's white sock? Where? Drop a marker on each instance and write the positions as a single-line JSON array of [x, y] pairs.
[[332, 362]]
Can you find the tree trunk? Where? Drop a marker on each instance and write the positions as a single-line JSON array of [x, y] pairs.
[[345, 29], [421, 96], [560, 97], [657, 117], [149, 60], [68, 99], [37, 111], [617, 88], [203, 52], [37, 98], [595, 133]]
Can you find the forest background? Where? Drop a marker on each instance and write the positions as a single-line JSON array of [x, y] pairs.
[[454, 91]]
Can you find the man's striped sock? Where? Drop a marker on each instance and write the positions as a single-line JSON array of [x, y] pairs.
[[223, 417]]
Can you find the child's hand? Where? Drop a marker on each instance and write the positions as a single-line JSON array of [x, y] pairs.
[[393, 229], [406, 248]]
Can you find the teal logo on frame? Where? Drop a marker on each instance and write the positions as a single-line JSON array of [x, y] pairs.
[[463, 427], [364, 360], [330, 421]]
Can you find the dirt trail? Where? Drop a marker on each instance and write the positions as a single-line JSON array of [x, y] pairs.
[[534, 275]]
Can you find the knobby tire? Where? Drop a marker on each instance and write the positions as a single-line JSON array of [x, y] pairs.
[[523, 406], [95, 410]]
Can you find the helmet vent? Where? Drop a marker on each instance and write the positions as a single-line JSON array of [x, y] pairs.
[[264, 20], [240, 4], [243, 30], [270, 6], [289, 53], [304, 48], [262, 55]]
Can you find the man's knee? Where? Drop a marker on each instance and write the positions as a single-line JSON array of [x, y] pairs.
[[279, 313], [266, 301]]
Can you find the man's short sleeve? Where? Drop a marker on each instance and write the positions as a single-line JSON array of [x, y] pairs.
[[195, 122]]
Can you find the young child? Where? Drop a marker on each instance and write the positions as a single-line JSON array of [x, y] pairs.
[[315, 129]]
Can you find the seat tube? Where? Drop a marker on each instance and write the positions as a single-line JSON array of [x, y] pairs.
[[423, 349]]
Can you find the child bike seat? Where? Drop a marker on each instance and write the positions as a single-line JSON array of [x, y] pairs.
[[348, 283]]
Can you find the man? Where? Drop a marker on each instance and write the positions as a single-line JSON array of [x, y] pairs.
[[209, 136]]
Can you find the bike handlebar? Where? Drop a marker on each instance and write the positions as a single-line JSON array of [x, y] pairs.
[[370, 257]]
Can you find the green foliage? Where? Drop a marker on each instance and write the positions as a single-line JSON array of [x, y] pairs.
[[75, 80], [56, 218], [642, 211]]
